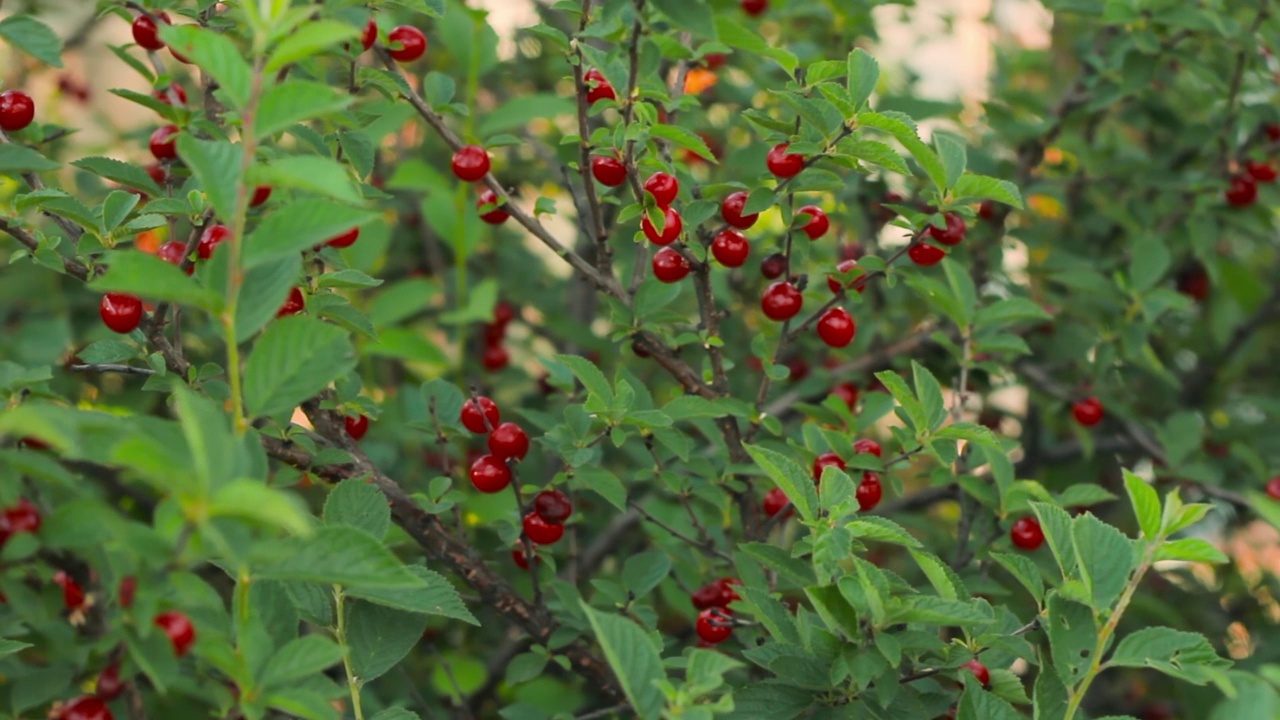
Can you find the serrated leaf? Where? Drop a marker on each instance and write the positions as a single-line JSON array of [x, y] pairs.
[[981, 187], [930, 394], [603, 482], [300, 658], [1056, 524], [790, 477], [905, 133], [1145, 503], [864, 73], [1185, 655], [1009, 310], [954, 156], [1192, 550], [633, 658], [978, 704], [217, 164], [736, 35], [341, 555], [253, 500], [312, 38], [358, 504], [121, 172], [589, 375], [874, 527], [379, 637], [938, 611], [876, 153], [296, 358], [1073, 638], [32, 37], [299, 225], [682, 138], [642, 573], [214, 53], [692, 15], [1105, 558], [1023, 570], [310, 173], [16, 158], [148, 276], [293, 102], [901, 392], [116, 207], [265, 289]]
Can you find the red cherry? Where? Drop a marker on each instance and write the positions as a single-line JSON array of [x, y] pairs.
[[663, 187], [867, 446], [521, 559], [1088, 412], [73, 597], [121, 312], [781, 301], [826, 460], [608, 170], [356, 426], [774, 501], [553, 506], [782, 163], [169, 94], [1193, 281], [293, 304], [260, 195], [85, 708], [754, 8], [836, 327], [713, 626], [497, 215], [979, 671], [1242, 191], [848, 392], [731, 210], [158, 173], [1026, 534], [17, 110], [1273, 488], [145, 32], [672, 226], [509, 440], [109, 686], [128, 588], [209, 240], [952, 235], [345, 240], [598, 88], [489, 474], [730, 248], [926, 255], [182, 634], [669, 266], [470, 163], [476, 412], [540, 531], [164, 144], [1263, 172], [818, 224], [773, 266], [34, 443], [987, 210], [869, 492], [495, 357], [406, 43], [503, 313], [174, 252], [1273, 132], [846, 266], [179, 56], [370, 35]]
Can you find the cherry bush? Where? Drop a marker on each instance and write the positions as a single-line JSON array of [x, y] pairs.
[[669, 369]]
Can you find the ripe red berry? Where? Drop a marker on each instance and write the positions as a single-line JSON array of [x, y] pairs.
[[925, 254], [497, 215], [470, 163], [553, 506], [17, 110], [540, 531], [164, 143], [145, 32], [476, 412], [293, 304], [663, 187], [1088, 412], [1193, 281], [848, 392], [713, 625], [345, 240], [608, 170], [182, 634], [987, 210], [495, 357], [825, 460], [489, 474], [73, 597], [952, 234], [120, 312], [669, 266], [1263, 172], [1273, 488], [846, 266], [836, 327], [406, 43], [730, 248], [1242, 191], [209, 240], [370, 35], [731, 210], [869, 492], [168, 95], [782, 163], [672, 226], [521, 559], [109, 686], [867, 446], [773, 266], [1273, 132], [157, 173], [774, 501], [818, 224], [1026, 534], [979, 671], [356, 426], [86, 708], [21, 517], [509, 440], [174, 252], [260, 195], [598, 88], [128, 588], [781, 301]]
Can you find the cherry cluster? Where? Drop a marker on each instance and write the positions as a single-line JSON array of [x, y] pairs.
[[1242, 187]]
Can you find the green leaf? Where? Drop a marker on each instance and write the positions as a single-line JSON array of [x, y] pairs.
[[589, 375], [876, 153], [312, 38], [907, 399], [172, 113], [770, 613], [692, 15], [905, 133], [116, 207], [790, 477], [148, 276], [1185, 655], [121, 172], [16, 158], [633, 658], [642, 572], [874, 527], [864, 73], [930, 394], [954, 157], [1145, 503], [1073, 638], [108, 351], [1056, 524], [1009, 310], [438, 597], [310, 173], [300, 225], [961, 283], [1148, 262], [396, 714], [1105, 558], [214, 53], [682, 138], [296, 358], [939, 611], [341, 555], [379, 637], [217, 165], [981, 187], [518, 111], [9, 647], [302, 657], [252, 500], [1180, 436], [265, 289], [33, 38], [978, 704], [939, 575], [293, 102], [603, 482], [737, 35], [1023, 570], [358, 504], [1192, 550]]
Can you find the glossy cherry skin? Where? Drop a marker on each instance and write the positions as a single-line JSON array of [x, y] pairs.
[[717, 593], [182, 634], [836, 327], [86, 708], [731, 210], [370, 35], [1263, 172], [818, 224], [145, 32], [260, 195], [774, 502], [1273, 488], [672, 226], [926, 255], [476, 412], [470, 163], [406, 43], [17, 110], [867, 446], [540, 531], [781, 301], [345, 240], [663, 187], [497, 215], [848, 392], [712, 626], [109, 685], [489, 474], [774, 266], [824, 461], [598, 88], [608, 170], [952, 234], [1026, 534], [869, 492], [209, 240], [1088, 412], [174, 252], [495, 357], [1242, 192], [782, 163], [730, 248], [980, 672], [553, 506], [157, 173], [846, 266], [294, 304], [171, 93], [754, 8], [669, 266], [120, 312], [356, 426], [164, 143], [509, 440]]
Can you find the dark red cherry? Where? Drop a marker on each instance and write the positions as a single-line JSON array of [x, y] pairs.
[[497, 215], [182, 634], [1026, 534], [818, 223], [17, 110], [509, 440], [836, 327], [782, 163], [925, 254], [406, 43], [669, 266], [952, 234], [672, 226], [730, 248], [608, 170], [121, 312], [869, 492], [470, 163], [553, 506], [145, 32], [480, 415], [731, 210], [356, 426], [489, 474], [663, 187], [781, 301], [824, 461], [540, 531]]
